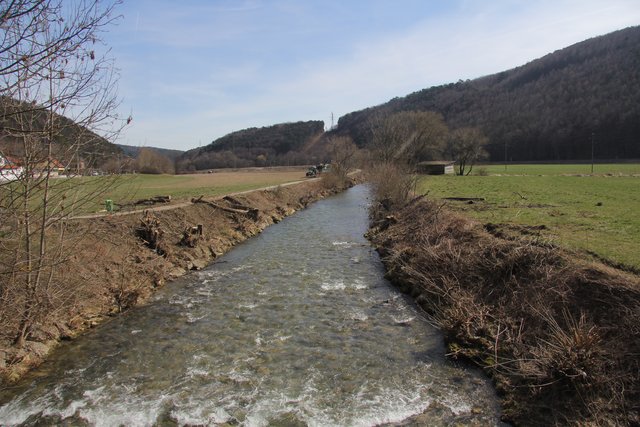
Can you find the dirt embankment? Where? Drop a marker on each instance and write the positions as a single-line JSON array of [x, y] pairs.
[[559, 335], [115, 262]]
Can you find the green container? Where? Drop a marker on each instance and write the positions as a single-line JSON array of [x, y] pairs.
[[109, 205]]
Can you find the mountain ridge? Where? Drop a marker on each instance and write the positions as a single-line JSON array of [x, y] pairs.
[[279, 144], [71, 140], [547, 109]]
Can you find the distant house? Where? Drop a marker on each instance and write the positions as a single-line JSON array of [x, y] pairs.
[[58, 166], [10, 169], [438, 167], [54, 167]]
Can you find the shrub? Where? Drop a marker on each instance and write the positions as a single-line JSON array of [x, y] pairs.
[[482, 172], [393, 185]]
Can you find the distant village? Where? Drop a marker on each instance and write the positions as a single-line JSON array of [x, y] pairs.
[[11, 168]]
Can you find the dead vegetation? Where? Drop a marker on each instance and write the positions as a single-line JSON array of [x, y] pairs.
[[150, 232], [560, 336], [393, 184], [145, 202]]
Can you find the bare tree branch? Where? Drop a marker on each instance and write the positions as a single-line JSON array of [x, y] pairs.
[[57, 110]]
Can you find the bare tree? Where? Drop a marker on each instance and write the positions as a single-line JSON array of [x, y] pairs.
[[408, 136], [151, 161], [57, 104], [399, 142], [343, 156], [466, 146]]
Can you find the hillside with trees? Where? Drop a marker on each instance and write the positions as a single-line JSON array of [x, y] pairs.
[[71, 142], [281, 144], [149, 160], [133, 151], [550, 109]]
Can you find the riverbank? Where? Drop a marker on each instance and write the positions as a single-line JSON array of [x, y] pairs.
[[559, 335], [114, 263]]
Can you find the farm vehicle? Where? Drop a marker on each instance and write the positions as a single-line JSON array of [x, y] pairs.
[[314, 171]]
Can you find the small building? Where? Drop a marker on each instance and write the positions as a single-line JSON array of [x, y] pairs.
[[57, 166], [53, 167], [437, 167], [10, 169]]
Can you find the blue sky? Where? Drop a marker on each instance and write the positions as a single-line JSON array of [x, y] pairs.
[[194, 70]]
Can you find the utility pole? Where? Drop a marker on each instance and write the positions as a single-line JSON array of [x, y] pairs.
[[505, 155], [593, 134], [331, 128]]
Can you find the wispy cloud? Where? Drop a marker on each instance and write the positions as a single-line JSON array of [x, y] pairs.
[[249, 71]]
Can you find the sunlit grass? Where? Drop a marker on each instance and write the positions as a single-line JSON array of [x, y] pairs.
[[594, 213], [123, 189], [560, 169]]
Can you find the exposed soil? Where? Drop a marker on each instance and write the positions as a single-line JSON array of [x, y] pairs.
[[116, 262], [559, 335]]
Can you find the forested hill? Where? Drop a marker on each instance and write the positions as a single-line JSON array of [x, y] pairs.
[[548, 109], [133, 151], [70, 138], [281, 144]]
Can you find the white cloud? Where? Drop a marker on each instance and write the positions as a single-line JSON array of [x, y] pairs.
[[477, 39], [437, 51]]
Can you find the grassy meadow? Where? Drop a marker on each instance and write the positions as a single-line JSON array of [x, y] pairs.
[[560, 169], [188, 186], [596, 213], [88, 194]]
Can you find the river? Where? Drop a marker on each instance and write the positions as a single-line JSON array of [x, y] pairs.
[[294, 327]]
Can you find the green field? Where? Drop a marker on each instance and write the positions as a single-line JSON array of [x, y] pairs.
[[188, 186], [560, 169], [88, 194], [596, 213]]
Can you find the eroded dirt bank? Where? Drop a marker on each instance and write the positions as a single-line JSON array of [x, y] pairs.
[[115, 263], [559, 335]]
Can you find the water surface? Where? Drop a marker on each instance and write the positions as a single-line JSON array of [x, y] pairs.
[[295, 327]]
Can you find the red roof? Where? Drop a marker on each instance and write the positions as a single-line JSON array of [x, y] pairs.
[[10, 164], [12, 161], [57, 164]]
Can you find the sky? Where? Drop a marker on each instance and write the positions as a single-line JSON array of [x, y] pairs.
[[192, 71]]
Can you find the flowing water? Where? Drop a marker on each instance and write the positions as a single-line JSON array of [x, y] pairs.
[[295, 327]]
